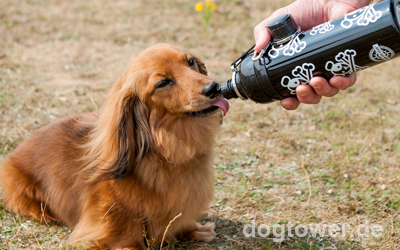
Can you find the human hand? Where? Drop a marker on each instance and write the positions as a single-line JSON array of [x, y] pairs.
[[307, 14]]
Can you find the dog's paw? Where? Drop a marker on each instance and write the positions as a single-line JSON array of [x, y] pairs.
[[203, 233]]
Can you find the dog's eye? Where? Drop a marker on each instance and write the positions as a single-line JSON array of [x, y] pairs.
[[191, 62], [163, 83]]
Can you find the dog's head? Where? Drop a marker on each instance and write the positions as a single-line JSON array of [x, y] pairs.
[[164, 103], [170, 80]]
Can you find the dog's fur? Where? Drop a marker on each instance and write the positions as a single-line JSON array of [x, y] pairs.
[[131, 167]]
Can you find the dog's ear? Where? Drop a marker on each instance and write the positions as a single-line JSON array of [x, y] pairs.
[[134, 137], [201, 66]]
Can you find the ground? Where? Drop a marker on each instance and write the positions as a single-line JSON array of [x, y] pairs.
[[335, 164]]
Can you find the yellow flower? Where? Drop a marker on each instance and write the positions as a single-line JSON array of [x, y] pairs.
[[206, 8], [210, 4], [199, 7]]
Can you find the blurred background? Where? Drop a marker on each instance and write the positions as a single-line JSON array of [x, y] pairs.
[[335, 162]]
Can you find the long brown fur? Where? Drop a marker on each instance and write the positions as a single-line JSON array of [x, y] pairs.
[[132, 166]]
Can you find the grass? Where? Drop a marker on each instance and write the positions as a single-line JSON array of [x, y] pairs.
[[332, 163]]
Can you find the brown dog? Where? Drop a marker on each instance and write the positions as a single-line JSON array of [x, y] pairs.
[[144, 158]]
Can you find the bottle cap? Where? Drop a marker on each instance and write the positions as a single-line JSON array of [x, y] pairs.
[[282, 27]]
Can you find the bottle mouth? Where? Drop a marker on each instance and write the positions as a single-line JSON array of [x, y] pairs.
[[227, 90]]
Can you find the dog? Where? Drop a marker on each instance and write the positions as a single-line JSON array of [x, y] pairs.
[[141, 165]]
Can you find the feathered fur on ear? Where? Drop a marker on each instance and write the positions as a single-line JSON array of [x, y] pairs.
[[201, 66], [120, 139], [134, 138]]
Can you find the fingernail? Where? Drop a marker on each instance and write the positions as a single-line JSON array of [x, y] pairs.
[[316, 85], [337, 83], [287, 106], [302, 93]]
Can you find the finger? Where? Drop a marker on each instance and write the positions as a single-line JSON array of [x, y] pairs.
[[262, 36], [322, 87], [343, 82], [307, 95], [261, 32], [290, 103]]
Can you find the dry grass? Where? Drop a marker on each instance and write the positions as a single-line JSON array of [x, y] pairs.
[[59, 58]]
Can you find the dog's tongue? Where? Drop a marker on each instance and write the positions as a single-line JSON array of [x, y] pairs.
[[222, 104]]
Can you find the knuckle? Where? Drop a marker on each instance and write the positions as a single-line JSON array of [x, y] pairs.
[[258, 29]]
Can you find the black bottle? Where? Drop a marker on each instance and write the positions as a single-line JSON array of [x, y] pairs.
[[359, 40]]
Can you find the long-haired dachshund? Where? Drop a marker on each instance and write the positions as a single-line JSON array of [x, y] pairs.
[[131, 167]]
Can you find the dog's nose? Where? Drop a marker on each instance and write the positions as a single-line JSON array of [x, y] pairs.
[[211, 90]]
